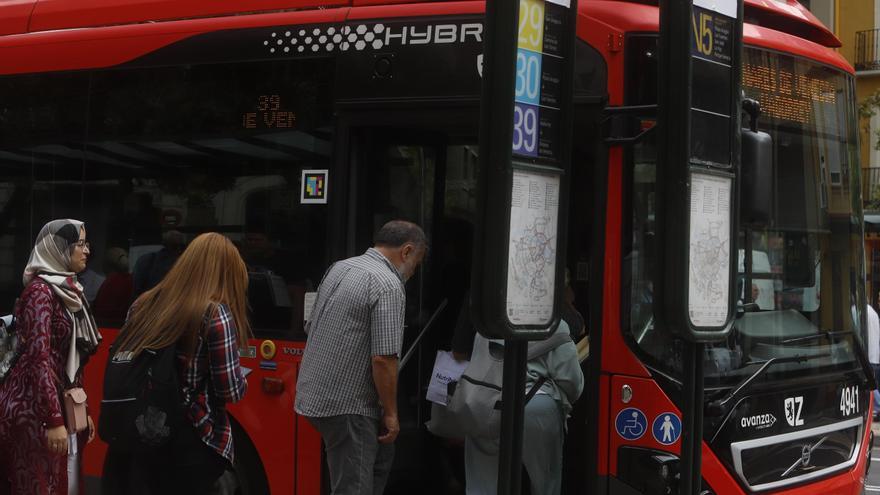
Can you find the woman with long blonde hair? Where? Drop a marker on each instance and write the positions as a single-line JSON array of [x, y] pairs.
[[201, 307]]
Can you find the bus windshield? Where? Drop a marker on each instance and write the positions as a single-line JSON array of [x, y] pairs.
[[800, 286]]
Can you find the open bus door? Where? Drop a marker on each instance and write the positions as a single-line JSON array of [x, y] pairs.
[[418, 166], [421, 164]]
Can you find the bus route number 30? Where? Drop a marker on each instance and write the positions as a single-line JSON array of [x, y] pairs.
[[849, 400]]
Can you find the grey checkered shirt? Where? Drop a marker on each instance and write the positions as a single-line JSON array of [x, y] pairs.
[[358, 314]]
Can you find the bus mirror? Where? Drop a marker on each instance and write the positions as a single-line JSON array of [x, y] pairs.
[[756, 177]]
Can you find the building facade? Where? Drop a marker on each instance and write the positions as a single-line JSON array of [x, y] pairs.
[[857, 24]]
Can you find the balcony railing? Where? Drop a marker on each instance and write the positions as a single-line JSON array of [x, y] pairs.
[[868, 50], [871, 188]]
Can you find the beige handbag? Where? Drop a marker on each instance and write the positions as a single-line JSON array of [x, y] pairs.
[[75, 410]]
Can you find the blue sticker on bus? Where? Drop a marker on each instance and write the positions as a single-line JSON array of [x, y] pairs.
[[667, 428], [631, 423]]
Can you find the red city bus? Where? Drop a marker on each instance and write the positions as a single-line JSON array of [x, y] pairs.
[[297, 128]]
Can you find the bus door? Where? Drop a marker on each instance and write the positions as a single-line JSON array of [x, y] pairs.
[[424, 172], [417, 159]]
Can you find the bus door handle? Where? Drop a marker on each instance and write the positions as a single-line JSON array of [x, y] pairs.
[[412, 348]]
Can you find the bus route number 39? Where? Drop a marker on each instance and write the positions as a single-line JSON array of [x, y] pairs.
[[849, 400]]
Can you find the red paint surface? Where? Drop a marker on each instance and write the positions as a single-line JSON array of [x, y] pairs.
[[268, 420]]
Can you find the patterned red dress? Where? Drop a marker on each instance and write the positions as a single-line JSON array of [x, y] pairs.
[[30, 397]]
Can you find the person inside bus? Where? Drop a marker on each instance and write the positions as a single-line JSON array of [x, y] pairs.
[[543, 425], [114, 296], [464, 332], [347, 384], [39, 455], [201, 307], [152, 267], [277, 278], [575, 320]]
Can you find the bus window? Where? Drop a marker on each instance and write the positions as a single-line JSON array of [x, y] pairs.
[[42, 123], [802, 260], [186, 150]]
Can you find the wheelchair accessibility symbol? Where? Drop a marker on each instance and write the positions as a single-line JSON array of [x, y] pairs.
[[631, 423]]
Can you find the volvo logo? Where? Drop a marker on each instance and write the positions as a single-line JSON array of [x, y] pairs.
[[806, 455], [806, 451]]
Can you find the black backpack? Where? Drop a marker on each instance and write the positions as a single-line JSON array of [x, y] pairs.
[[142, 407], [10, 347]]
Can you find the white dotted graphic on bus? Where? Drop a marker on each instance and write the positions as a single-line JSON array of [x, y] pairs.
[[332, 38], [328, 39]]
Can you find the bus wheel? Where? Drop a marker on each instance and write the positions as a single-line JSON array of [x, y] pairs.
[[248, 476]]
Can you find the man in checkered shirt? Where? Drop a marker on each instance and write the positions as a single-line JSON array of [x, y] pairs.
[[347, 385]]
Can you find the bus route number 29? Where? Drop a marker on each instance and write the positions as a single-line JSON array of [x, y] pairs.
[[849, 400]]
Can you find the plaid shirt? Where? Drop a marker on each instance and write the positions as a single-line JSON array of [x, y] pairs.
[[358, 313], [212, 378]]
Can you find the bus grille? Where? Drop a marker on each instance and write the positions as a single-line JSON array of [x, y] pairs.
[[774, 462]]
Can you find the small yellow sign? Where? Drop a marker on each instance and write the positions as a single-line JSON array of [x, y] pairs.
[[531, 25], [267, 349]]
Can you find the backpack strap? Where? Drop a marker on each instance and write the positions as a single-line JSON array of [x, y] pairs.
[[534, 390], [541, 347], [538, 349]]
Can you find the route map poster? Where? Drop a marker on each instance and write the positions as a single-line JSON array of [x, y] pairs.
[[531, 271], [709, 259]]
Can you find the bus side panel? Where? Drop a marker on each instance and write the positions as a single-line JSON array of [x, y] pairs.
[[115, 45], [605, 427], [649, 401], [93, 383], [288, 447], [15, 17], [716, 474], [268, 421], [615, 354], [61, 14]]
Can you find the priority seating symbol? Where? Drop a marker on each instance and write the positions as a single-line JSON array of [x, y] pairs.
[[631, 423]]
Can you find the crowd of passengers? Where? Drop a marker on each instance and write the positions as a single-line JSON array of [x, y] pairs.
[[192, 301]]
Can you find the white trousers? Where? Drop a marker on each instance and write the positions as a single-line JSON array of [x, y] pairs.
[[72, 465]]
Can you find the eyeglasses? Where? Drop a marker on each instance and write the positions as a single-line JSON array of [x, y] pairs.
[[82, 243]]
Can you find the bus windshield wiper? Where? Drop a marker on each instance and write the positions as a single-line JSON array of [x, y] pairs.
[[718, 406], [861, 354], [827, 334]]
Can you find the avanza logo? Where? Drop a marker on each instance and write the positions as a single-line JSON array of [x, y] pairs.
[[758, 421]]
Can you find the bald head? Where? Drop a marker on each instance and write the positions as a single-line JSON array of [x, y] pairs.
[[396, 233]]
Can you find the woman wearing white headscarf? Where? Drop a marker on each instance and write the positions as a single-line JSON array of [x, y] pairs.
[[57, 334]]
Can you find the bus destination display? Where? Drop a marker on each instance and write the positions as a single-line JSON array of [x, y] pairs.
[[712, 42], [269, 114], [540, 58], [798, 93]]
